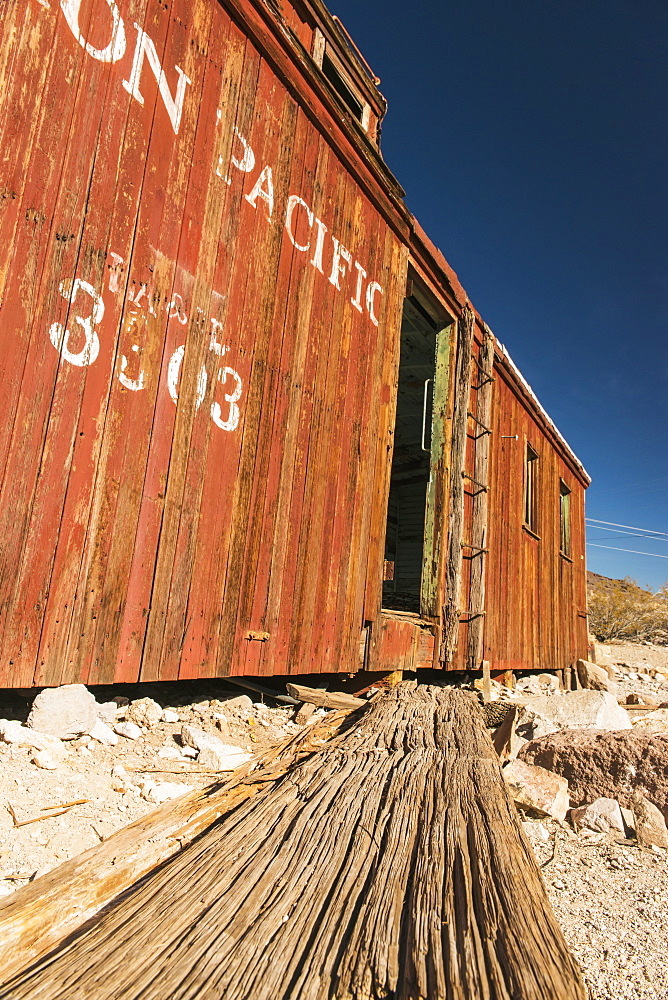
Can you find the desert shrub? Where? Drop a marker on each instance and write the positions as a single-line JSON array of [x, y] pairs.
[[620, 609]]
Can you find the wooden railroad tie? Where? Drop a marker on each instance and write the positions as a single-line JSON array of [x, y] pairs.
[[380, 859]]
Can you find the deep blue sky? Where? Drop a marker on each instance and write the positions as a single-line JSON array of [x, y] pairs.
[[531, 139]]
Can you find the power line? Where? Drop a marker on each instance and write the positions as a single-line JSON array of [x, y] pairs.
[[636, 534], [633, 527], [632, 551]]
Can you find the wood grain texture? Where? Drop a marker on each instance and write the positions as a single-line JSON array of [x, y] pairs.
[[390, 862], [536, 594], [140, 538], [452, 604], [477, 540]]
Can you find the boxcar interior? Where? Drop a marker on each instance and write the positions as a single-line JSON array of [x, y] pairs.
[[404, 540]]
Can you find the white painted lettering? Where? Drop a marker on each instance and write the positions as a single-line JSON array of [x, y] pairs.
[[293, 201], [133, 384], [361, 275], [214, 345], [373, 289], [245, 164], [232, 398], [263, 189], [174, 371], [319, 244], [175, 309], [173, 105], [115, 50], [339, 269], [60, 335]]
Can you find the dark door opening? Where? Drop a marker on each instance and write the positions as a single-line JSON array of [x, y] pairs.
[[412, 461]]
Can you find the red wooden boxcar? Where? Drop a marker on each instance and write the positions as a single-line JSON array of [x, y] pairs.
[[239, 386]]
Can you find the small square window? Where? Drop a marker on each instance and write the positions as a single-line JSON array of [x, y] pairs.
[[530, 490], [334, 71], [564, 519]]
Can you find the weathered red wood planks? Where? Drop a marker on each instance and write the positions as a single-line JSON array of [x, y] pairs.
[[534, 618], [189, 454]]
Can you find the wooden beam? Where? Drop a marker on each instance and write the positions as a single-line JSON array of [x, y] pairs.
[[456, 515], [479, 518], [486, 682], [324, 699]]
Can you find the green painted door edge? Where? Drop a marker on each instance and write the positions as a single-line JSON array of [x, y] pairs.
[[438, 489]]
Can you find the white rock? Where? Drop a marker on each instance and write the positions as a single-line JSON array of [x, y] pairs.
[[129, 730], [225, 758], [653, 722], [107, 711], [601, 815], [13, 732], [169, 715], [196, 738], [44, 759], [537, 789], [213, 752], [169, 753], [144, 712], [161, 791], [537, 831], [103, 734], [571, 710], [649, 822], [67, 711], [84, 751], [241, 704], [593, 677]]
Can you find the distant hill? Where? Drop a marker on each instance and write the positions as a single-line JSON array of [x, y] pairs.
[[597, 580]]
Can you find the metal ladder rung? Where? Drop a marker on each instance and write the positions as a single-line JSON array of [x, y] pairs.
[[477, 550], [472, 615], [485, 428], [480, 486]]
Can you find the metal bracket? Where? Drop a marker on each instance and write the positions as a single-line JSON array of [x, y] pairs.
[[481, 486], [485, 377], [485, 429], [477, 550]]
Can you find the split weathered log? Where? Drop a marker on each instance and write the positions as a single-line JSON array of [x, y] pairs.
[[41, 915], [388, 863], [325, 699]]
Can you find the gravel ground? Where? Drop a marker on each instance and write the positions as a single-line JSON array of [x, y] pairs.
[[611, 899], [85, 773]]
